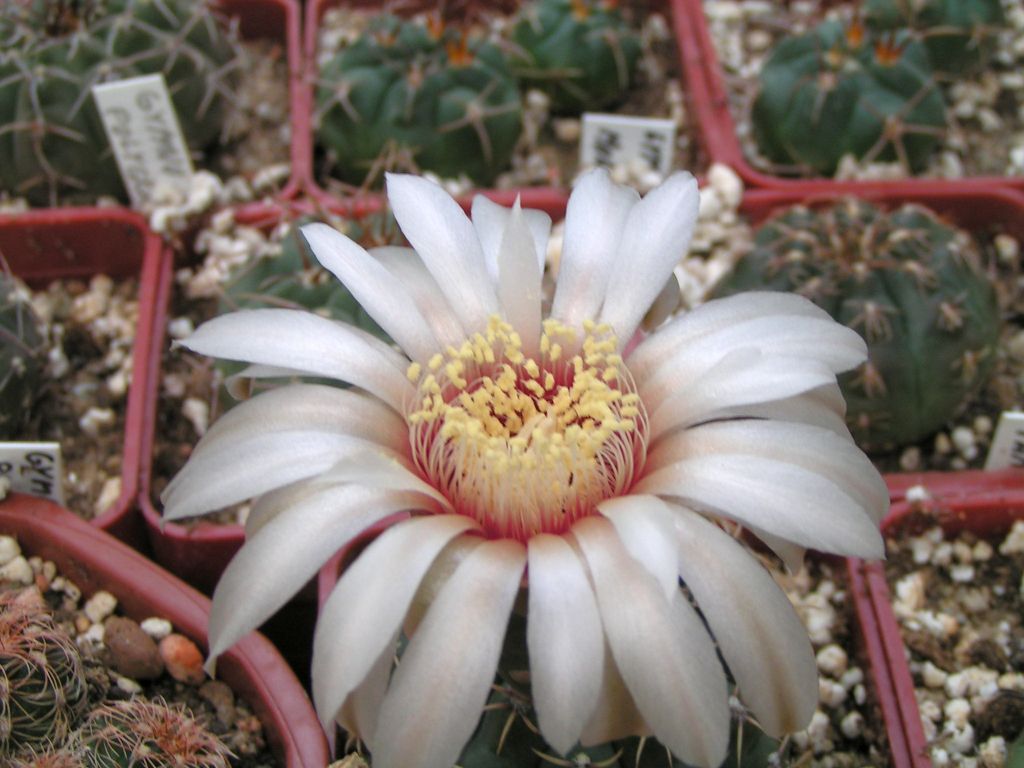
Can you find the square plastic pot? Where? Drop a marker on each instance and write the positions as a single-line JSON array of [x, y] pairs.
[[41, 246], [981, 504], [252, 667], [718, 127], [539, 197]]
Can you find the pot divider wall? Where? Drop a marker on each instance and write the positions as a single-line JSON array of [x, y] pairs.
[[40, 246], [252, 667]]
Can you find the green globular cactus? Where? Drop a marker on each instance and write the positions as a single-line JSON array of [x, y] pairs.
[[910, 285], [960, 35], [52, 143], [148, 734], [416, 95], [835, 91], [21, 357], [582, 53], [43, 689]]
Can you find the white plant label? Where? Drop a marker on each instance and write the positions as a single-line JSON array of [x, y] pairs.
[[34, 468], [1008, 444], [607, 140], [146, 136]]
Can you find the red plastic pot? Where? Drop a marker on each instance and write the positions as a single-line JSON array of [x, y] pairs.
[[718, 129], [77, 243], [252, 667], [280, 20], [543, 198], [985, 508]]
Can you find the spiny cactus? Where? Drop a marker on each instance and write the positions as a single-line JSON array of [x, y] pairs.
[[960, 35], [148, 734], [43, 689], [582, 53], [909, 284], [21, 357], [68, 754], [411, 94], [836, 90], [52, 143]]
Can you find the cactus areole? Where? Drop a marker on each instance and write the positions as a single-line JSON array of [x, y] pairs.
[[52, 143], [905, 281]]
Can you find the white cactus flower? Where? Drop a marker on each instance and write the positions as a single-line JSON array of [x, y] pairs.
[[507, 454]]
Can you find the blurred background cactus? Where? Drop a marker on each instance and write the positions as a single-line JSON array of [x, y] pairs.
[[910, 284], [838, 90], [21, 357], [417, 95], [52, 144], [582, 53], [43, 688], [148, 734], [960, 35]]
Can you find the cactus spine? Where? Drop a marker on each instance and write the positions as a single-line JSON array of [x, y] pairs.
[[910, 285], [148, 734], [836, 90], [52, 144], [21, 357], [42, 682], [417, 95], [582, 53]]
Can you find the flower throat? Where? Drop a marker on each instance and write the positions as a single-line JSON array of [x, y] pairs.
[[523, 445]]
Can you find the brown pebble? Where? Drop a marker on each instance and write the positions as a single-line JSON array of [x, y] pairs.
[[222, 699], [183, 659], [82, 624], [1002, 716], [132, 652], [987, 652]]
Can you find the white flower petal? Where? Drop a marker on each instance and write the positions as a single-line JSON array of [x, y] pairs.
[[824, 341], [442, 682], [565, 640], [444, 238], [519, 281], [661, 648], [792, 555], [369, 469], [713, 316], [360, 711], [646, 529], [784, 499], [383, 297], [820, 407], [616, 716], [365, 611], [817, 450], [289, 338], [410, 270], [761, 637], [287, 552], [490, 220], [743, 378], [655, 238], [277, 438], [594, 221]]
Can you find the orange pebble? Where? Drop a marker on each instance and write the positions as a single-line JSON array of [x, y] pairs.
[[183, 659]]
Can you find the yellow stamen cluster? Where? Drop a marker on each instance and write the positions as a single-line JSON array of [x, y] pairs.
[[528, 445]]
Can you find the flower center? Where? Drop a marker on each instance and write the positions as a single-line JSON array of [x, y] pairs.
[[523, 445]]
